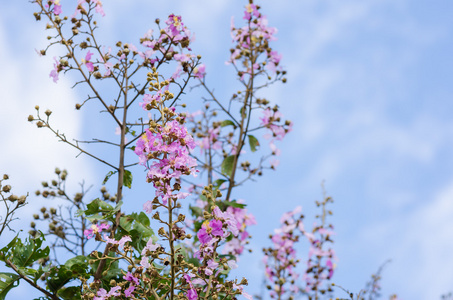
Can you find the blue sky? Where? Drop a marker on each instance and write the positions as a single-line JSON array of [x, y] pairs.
[[369, 89]]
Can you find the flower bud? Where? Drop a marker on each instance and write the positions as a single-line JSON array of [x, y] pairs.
[[13, 198], [30, 118], [22, 199], [6, 188], [48, 112]]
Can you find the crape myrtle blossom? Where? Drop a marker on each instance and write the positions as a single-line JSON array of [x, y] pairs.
[[94, 229], [103, 295], [168, 147], [280, 260], [254, 38], [87, 61], [57, 67], [120, 243], [82, 5]]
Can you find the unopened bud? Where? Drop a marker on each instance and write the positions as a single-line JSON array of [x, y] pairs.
[[48, 112], [13, 198], [22, 199], [6, 188], [30, 118]]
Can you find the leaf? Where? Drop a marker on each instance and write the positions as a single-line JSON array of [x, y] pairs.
[[69, 293], [253, 142], [78, 265], [227, 165], [228, 123], [138, 227], [127, 178], [218, 183], [99, 210], [243, 112], [58, 277], [7, 282], [25, 254], [107, 177], [234, 204]]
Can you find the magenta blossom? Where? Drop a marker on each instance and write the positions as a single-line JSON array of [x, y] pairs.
[[89, 233], [103, 295]]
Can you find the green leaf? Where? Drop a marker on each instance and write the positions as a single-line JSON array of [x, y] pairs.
[[138, 227], [227, 165], [7, 282], [234, 204], [107, 177], [228, 123], [25, 254], [69, 293], [127, 178], [98, 209], [218, 183], [78, 265], [253, 142], [58, 277]]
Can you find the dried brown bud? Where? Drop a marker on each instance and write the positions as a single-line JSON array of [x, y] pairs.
[[30, 118], [13, 198], [6, 188], [22, 199]]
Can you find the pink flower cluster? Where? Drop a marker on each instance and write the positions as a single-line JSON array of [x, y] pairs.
[[281, 260], [243, 219], [249, 37], [165, 152], [213, 230]]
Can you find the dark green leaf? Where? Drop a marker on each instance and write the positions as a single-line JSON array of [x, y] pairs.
[[69, 293], [227, 165], [58, 277], [7, 282], [107, 177], [253, 142], [127, 178]]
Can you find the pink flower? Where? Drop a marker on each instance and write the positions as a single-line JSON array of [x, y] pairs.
[[128, 292], [192, 294], [55, 71], [114, 291], [200, 71], [89, 233], [87, 61], [99, 8], [131, 278], [120, 243]]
